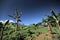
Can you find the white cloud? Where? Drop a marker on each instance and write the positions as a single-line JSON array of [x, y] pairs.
[[11, 21], [6, 20], [1, 20]]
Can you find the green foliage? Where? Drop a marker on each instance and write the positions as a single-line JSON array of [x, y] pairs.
[[25, 32]]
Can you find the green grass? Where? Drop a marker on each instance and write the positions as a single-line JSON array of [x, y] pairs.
[[43, 30]]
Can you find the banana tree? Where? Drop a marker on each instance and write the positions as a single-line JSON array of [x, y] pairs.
[[16, 17], [48, 24], [56, 17], [2, 26]]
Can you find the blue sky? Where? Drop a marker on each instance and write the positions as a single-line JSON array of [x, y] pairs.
[[33, 10]]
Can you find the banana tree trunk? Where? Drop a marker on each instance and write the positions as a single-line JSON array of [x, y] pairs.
[[1, 34], [49, 28], [57, 24], [1, 31], [17, 23]]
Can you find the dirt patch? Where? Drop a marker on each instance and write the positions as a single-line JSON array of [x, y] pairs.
[[44, 36]]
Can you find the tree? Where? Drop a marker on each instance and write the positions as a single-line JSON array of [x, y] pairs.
[[56, 17], [48, 24], [2, 28], [16, 17]]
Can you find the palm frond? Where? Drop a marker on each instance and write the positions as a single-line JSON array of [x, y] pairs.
[[6, 22], [19, 20], [53, 13], [12, 16]]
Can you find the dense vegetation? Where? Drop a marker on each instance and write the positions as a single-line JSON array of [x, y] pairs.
[[49, 29]]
